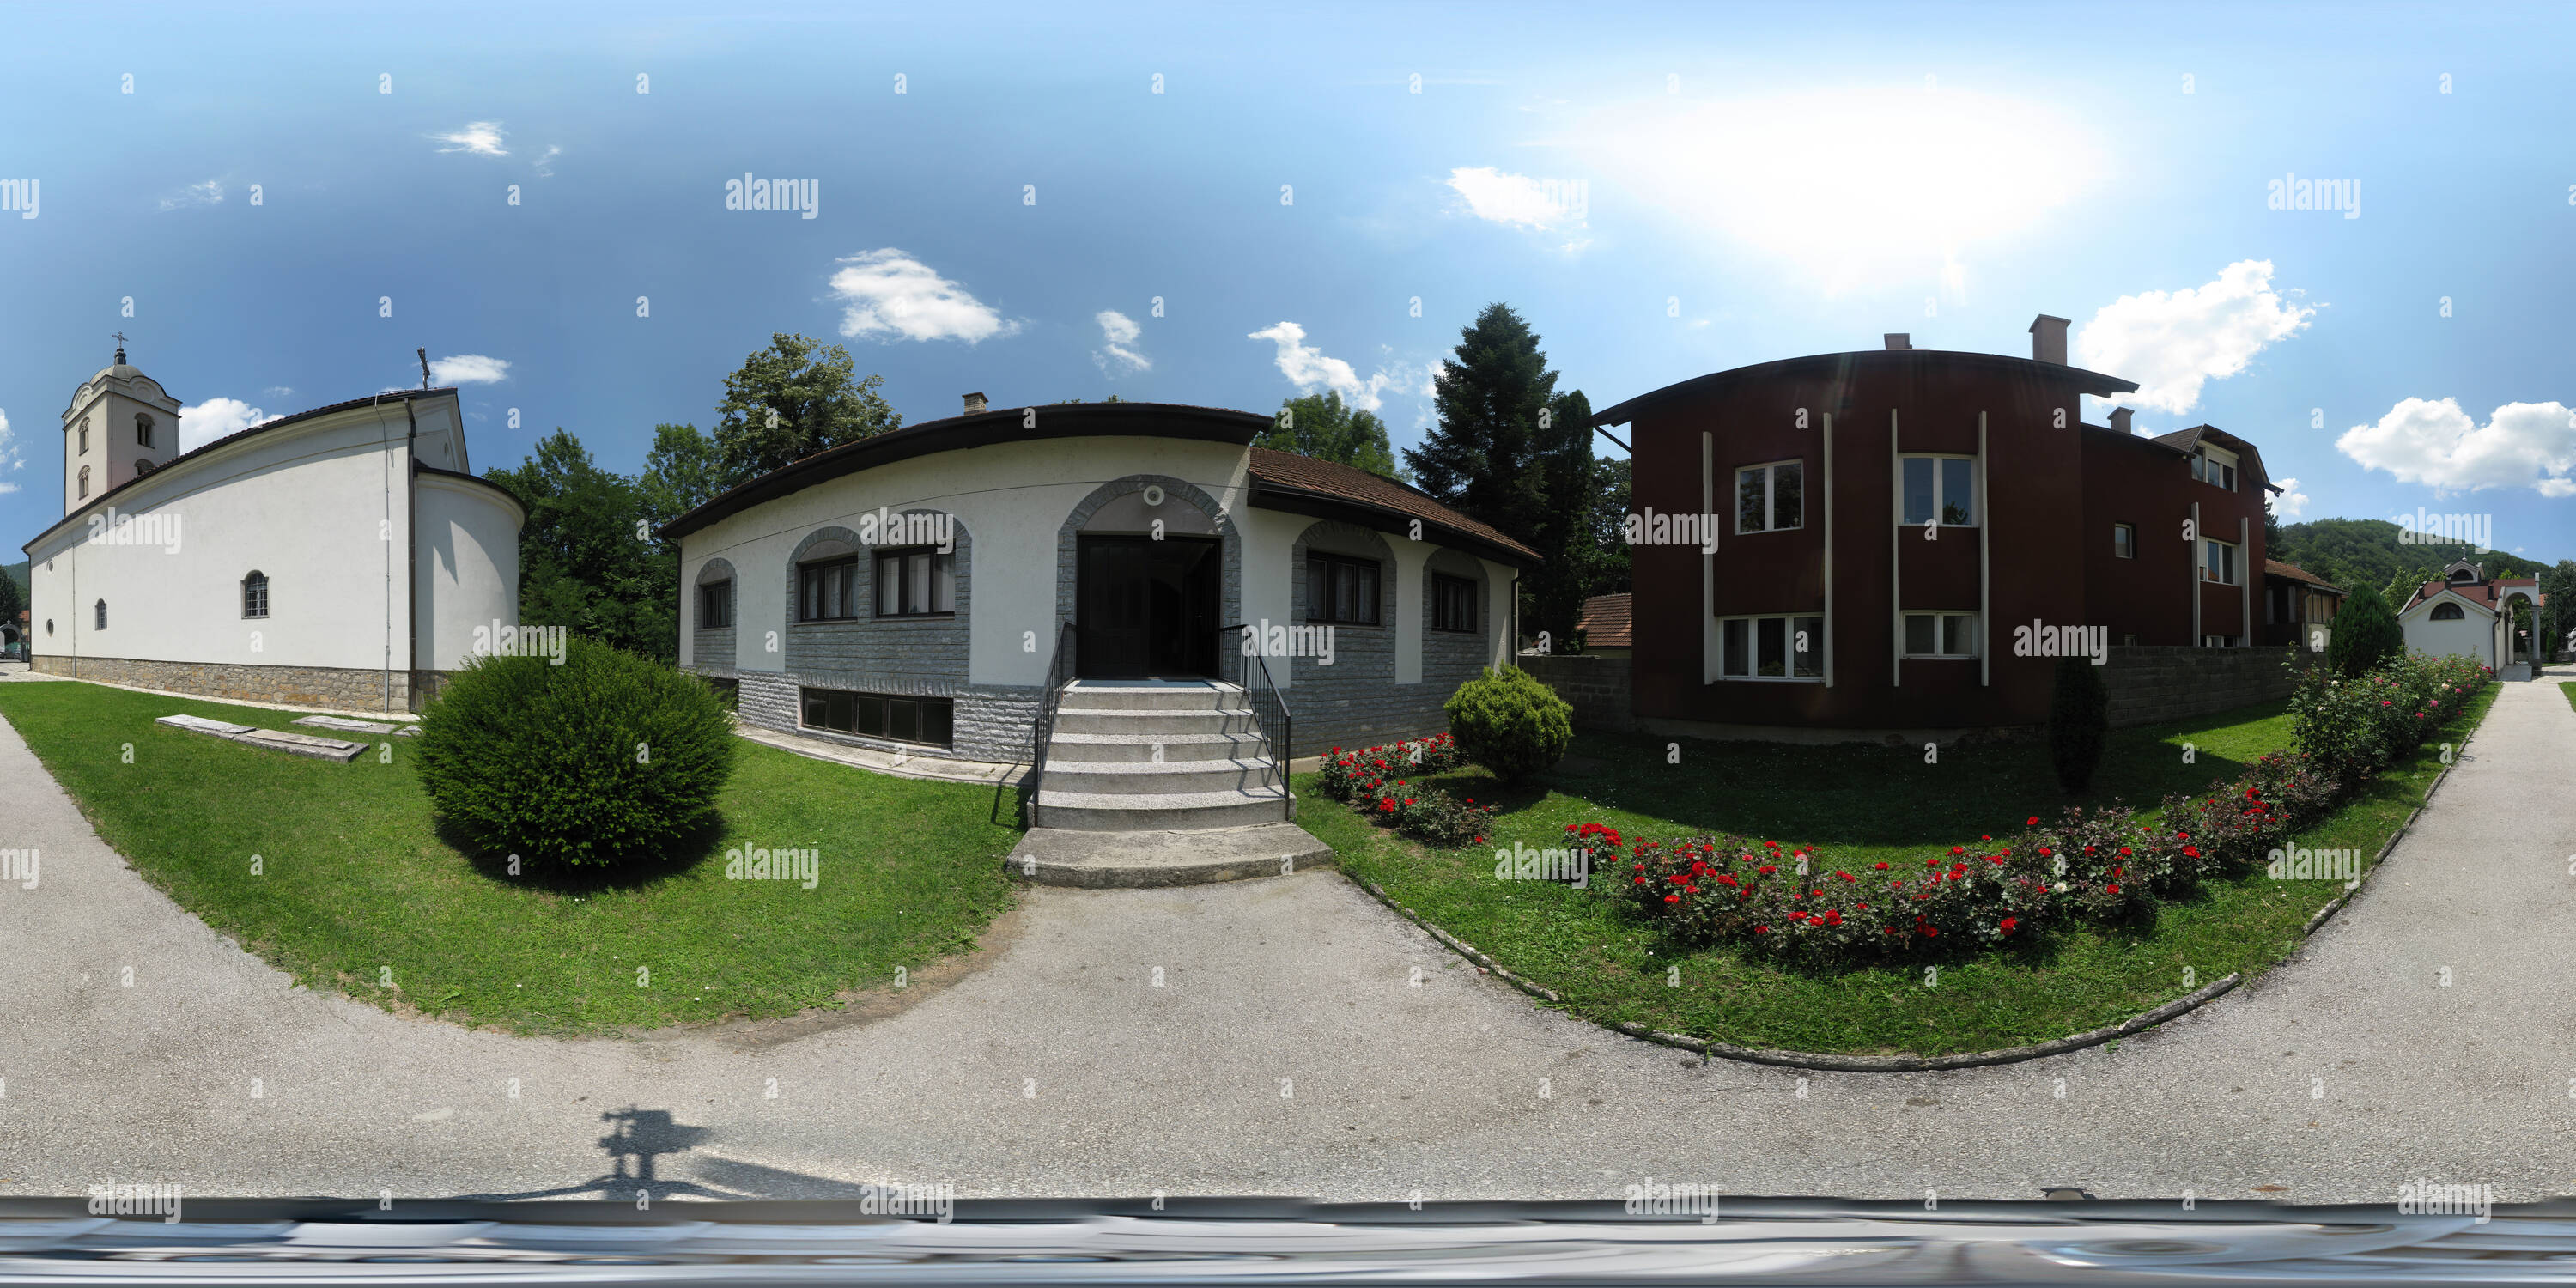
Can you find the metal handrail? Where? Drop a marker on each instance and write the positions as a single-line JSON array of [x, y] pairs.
[[1042, 729], [1269, 712]]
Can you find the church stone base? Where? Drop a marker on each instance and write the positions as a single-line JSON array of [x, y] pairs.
[[303, 686]]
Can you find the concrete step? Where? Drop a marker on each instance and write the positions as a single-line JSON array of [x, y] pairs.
[[1150, 722], [1179, 746], [1140, 778], [1154, 695], [1162, 811], [1056, 856]]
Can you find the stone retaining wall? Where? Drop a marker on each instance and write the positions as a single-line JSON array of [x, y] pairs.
[[303, 686], [2153, 683], [1597, 688]]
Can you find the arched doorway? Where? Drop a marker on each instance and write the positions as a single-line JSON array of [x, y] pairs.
[[1150, 560]]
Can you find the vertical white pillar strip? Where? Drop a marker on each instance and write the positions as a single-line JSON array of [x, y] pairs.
[[1985, 579], [1828, 642], [2197, 536], [2244, 582], [1895, 556], [1708, 661]]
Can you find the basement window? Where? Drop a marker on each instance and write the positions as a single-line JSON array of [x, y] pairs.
[[928, 721], [1789, 647]]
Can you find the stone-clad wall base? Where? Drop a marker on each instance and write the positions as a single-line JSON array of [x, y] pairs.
[[2153, 683], [302, 686], [1596, 687], [991, 723]]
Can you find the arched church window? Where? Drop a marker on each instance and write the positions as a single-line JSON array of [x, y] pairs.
[[2446, 612], [255, 595], [102, 614], [142, 468], [84, 481], [143, 430], [84, 436]]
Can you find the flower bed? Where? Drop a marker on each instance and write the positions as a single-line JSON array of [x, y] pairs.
[[1378, 782], [2093, 868]]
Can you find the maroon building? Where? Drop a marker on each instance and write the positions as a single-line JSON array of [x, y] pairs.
[[1885, 520]]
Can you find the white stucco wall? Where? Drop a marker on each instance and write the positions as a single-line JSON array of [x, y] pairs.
[[468, 566], [2471, 636], [318, 506]]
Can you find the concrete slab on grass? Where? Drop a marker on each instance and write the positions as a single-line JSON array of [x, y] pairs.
[[1057, 856], [294, 744], [346, 725]]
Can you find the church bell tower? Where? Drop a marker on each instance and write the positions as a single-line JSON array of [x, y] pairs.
[[121, 426]]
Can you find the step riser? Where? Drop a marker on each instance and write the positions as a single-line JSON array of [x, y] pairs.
[[1070, 776], [1089, 819], [1156, 699], [1247, 747], [1150, 723]]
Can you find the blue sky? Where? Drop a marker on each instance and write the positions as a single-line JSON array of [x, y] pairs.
[[1662, 191]]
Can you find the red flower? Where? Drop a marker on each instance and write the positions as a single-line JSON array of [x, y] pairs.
[[2032, 821], [1880, 866], [1672, 898], [2009, 923], [2115, 889], [2191, 851], [1761, 930]]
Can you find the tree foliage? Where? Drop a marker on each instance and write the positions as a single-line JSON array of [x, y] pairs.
[[1481, 458], [2365, 635], [587, 559], [1326, 428], [2079, 722], [791, 400], [2353, 553]]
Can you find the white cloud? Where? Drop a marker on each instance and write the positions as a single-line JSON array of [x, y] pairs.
[[279, 393], [892, 296], [1857, 185], [2290, 504], [483, 138], [216, 418], [1309, 370], [2170, 342], [468, 369], [2529, 445], [1515, 199], [546, 161], [8, 455], [1118, 343], [209, 193]]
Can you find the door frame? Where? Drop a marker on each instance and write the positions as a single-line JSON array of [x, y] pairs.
[[1215, 546]]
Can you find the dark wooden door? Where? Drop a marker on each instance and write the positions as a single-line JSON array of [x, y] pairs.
[[1145, 609]]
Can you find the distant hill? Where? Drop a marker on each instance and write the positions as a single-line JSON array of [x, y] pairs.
[[17, 572], [2353, 553]]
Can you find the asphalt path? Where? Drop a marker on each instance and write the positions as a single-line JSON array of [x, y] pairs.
[[1304, 1041]]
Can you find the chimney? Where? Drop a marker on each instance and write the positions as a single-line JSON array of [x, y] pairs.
[[1898, 341], [2048, 340], [2120, 420], [974, 403]]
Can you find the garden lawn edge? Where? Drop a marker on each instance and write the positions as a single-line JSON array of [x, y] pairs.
[[2138, 1023]]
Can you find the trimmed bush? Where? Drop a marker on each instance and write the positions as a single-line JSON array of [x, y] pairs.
[[2366, 635], [2079, 722], [1510, 723], [606, 759]]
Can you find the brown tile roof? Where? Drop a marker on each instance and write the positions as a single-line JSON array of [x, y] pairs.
[[2476, 592], [1334, 481], [1605, 621], [2276, 568]]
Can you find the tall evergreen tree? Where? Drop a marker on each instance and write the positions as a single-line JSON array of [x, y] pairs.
[[1611, 493], [1481, 458], [1564, 536], [586, 560], [791, 400], [1326, 428]]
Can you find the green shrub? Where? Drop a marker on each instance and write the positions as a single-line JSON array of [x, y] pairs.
[[603, 759], [2079, 722], [2366, 635], [1510, 723]]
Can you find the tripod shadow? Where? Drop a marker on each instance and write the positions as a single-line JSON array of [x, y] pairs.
[[637, 1141]]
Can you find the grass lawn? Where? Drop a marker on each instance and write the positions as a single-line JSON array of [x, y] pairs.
[[356, 878], [1860, 804], [2568, 688]]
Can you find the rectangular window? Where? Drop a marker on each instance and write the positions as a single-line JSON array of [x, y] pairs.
[[2124, 541], [1771, 498], [880, 715], [1941, 635], [715, 605], [2215, 466], [1943, 486], [1453, 603], [1786, 647], [1341, 589], [2220, 564], [827, 591], [255, 596], [916, 583]]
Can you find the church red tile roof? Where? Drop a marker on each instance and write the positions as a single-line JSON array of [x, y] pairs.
[[1606, 621]]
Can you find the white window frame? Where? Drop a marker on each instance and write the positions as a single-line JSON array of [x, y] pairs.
[[1770, 497], [1789, 642], [2117, 550], [1937, 472], [2204, 456], [2235, 562], [1936, 614]]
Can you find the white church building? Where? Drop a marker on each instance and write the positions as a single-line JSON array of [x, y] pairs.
[[339, 557], [2466, 615]]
